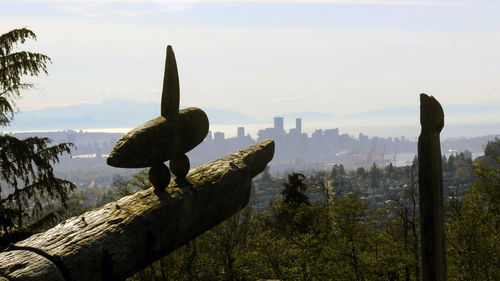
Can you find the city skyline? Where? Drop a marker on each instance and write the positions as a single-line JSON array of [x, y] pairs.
[[334, 57], [294, 149], [122, 115]]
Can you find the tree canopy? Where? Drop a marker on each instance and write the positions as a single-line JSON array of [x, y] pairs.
[[27, 180], [294, 189], [15, 65]]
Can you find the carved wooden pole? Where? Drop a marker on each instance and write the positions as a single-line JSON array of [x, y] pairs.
[[430, 182], [122, 237]]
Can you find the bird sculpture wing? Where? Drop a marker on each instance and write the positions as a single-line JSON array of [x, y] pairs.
[[171, 91]]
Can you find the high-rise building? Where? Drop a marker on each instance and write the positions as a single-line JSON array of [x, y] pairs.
[[219, 137], [298, 125], [241, 132], [278, 123]]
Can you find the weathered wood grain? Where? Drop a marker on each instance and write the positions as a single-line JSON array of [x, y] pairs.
[[122, 237], [27, 266], [430, 181]]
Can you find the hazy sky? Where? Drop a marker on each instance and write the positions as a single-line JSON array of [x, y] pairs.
[[263, 57]]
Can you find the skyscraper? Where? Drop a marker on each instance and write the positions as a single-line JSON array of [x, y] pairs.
[[278, 123], [219, 137], [298, 125], [241, 132]]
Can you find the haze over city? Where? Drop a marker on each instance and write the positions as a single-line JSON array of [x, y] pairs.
[[346, 59]]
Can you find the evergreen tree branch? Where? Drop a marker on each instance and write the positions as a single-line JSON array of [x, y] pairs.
[[10, 39]]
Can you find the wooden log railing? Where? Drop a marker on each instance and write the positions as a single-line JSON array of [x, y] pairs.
[[117, 240]]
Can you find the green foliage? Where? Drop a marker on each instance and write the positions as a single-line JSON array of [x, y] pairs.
[[14, 65], [139, 181], [473, 247], [346, 239], [290, 241], [487, 174], [375, 176], [27, 177], [325, 185], [444, 163], [390, 170], [337, 171], [361, 172], [294, 190], [451, 164], [473, 230]]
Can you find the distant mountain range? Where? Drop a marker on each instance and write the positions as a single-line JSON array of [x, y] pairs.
[[114, 113], [451, 110], [118, 113]]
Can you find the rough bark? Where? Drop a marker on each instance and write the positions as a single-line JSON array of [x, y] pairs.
[[430, 182], [122, 237], [27, 266]]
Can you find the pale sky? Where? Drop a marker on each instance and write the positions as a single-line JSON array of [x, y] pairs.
[[265, 57]]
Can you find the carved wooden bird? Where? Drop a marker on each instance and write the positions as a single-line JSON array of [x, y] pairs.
[[167, 137]]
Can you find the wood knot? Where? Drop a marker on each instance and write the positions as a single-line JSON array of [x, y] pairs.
[[84, 222]]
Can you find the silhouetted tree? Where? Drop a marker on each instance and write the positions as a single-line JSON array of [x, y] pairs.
[[294, 190], [444, 163], [27, 177], [337, 171], [451, 163], [14, 65], [325, 185], [361, 172], [375, 176], [390, 170]]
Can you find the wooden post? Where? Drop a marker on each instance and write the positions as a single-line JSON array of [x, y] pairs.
[[430, 180], [122, 237]]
